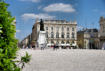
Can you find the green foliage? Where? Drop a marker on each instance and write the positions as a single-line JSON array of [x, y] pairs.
[[25, 59], [8, 42]]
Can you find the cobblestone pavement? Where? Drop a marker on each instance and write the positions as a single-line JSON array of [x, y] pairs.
[[65, 60]]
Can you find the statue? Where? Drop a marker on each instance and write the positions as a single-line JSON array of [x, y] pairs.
[[41, 25], [42, 36]]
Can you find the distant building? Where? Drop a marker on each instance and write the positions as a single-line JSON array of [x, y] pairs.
[[26, 41], [102, 31], [88, 39], [60, 32], [80, 39]]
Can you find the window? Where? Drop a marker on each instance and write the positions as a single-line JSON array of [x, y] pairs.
[[62, 35], [46, 28], [52, 35], [46, 34], [57, 35], [72, 29], [72, 35], [72, 42], [62, 28], [51, 28], [68, 35], [68, 42], [62, 42], [67, 28]]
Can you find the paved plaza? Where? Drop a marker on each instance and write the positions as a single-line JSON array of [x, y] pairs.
[[65, 60]]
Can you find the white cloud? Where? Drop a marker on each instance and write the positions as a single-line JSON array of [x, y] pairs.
[[39, 7], [18, 31], [28, 16], [31, 0], [59, 7], [79, 28]]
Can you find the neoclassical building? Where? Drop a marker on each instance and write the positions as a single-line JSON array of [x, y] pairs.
[[59, 32]]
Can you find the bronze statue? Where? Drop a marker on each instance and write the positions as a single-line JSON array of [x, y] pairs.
[[41, 25]]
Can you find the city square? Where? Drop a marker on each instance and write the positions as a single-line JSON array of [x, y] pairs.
[[65, 60], [52, 35]]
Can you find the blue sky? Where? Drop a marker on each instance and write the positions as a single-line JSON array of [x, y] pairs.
[[86, 12]]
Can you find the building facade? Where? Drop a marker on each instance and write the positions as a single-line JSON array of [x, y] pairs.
[[88, 39], [91, 39], [102, 31], [27, 41], [59, 32], [80, 39]]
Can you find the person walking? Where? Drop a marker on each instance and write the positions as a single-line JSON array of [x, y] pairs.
[[54, 48]]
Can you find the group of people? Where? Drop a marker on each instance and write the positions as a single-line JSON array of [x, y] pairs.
[[42, 46], [27, 47], [55, 47]]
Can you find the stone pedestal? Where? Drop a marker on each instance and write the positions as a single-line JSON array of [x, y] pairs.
[[42, 39]]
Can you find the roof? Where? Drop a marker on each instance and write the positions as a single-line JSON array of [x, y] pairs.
[[56, 21], [88, 31], [91, 30]]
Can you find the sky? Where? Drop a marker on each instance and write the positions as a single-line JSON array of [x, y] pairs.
[[87, 13]]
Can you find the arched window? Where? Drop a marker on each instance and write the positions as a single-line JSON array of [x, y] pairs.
[[68, 35], [68, 42], [72, 35], [52, 35], [62, 35], [57, 35], [62, 42]]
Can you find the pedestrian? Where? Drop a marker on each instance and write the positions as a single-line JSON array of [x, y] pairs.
[[54, 48], [42, 46], [33, 47]]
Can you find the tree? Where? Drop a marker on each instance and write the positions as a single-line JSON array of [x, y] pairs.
[[8, 42]]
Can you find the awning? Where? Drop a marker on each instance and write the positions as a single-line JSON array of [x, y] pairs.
[[49, 44], [73, 45], [68, 44], [62, 44], [65, 44]]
